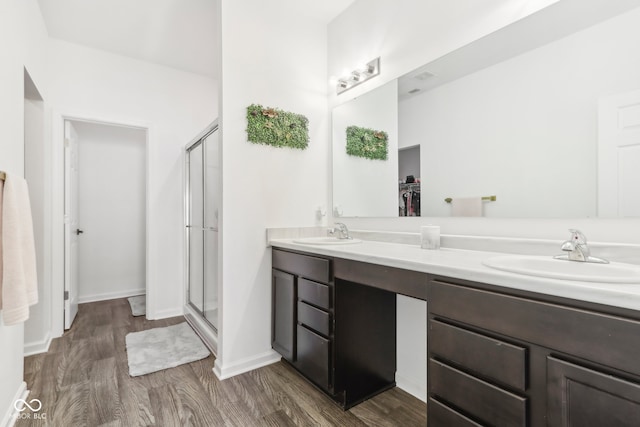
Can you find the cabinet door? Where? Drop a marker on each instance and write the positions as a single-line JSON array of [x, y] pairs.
[[284, 314], [581, 397]]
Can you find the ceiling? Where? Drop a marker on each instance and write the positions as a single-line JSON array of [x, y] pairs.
[[175, 33]]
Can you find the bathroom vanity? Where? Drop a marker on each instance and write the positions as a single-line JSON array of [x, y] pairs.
[[322, 327], [515, 360], [503, 349]]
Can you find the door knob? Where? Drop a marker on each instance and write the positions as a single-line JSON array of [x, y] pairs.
[[78, 231]]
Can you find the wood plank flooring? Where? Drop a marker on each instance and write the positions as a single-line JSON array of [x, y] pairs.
[[84, 381]]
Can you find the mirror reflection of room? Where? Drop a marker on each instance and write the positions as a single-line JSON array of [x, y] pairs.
[[364, 186], [524, 115]]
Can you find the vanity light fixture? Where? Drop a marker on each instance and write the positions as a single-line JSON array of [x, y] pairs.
[[361, 75]]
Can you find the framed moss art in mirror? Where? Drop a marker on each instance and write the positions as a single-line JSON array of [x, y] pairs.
[[272, 126], [368, 143]]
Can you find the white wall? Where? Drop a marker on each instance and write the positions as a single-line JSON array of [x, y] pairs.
[[411, 346], [366, 187], [175, 106], [36, 328], [111, 211], [275, 55], [23, 38], [409, 33], [523, 126]]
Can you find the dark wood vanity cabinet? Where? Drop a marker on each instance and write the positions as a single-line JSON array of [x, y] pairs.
[[340, 335], [496, 356], [505, 360], [302, 322]]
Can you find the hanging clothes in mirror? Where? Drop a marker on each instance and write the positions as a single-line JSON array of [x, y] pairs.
[[409, 199]]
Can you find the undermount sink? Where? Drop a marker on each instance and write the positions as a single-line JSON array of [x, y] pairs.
[[549, 267], [326, 240]]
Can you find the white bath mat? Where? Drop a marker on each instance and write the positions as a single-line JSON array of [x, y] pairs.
[[138, 305], [162, 348]]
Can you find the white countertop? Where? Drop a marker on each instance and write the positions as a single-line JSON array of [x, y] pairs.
[[467, 265]]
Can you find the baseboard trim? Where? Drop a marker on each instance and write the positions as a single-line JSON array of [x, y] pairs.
[[11, 416], [416, 390], [164, 314], [37, 347], [111, 295], [245, 365]]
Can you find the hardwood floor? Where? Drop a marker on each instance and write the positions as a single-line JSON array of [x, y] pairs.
[[83, 381]]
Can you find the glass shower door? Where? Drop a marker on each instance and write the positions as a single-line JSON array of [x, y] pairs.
[[211, 209], [203, 204], [195, 226]]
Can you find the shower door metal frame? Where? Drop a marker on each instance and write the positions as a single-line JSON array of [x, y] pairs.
[[198, 140]]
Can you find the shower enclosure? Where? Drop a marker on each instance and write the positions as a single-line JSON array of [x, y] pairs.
[[202, 203]]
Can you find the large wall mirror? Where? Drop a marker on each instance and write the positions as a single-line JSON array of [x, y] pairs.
[[545, 117]]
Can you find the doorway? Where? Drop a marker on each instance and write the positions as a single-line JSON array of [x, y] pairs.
[[409, 181], [105, 213], [619, 155], [36, 172]]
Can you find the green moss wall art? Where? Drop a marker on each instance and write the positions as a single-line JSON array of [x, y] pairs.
[[368, 143], [275, 127]]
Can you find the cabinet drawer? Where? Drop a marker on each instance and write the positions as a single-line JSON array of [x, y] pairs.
[[314, 293], [442, 416], [311, 267], [488, 357], [601, 338], [313, 357], [484, 401], [314, 318]]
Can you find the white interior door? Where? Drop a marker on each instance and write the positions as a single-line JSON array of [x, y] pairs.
[[112, 207], [71, 231], [619, 155]]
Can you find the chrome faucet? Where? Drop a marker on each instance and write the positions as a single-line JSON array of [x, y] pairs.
[[341, 229], [577, 250]]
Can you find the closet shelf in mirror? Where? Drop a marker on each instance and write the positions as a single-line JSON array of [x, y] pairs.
[[409, 186]]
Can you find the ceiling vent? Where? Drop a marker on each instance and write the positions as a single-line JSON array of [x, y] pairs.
[[424, 75]]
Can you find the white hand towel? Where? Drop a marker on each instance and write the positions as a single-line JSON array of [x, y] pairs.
[[18, 277], [466, 206]]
